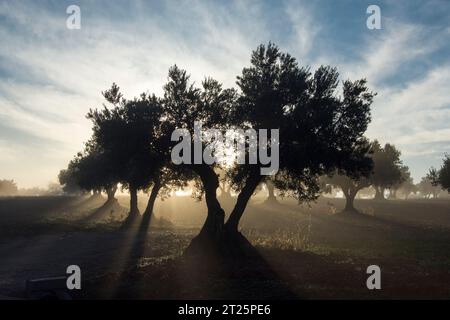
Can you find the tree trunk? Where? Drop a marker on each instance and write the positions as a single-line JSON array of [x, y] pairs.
[[110, 192], [209, 240], [216, 238], [379, 193], [215, 218], [151, 200], [244, 196], [271, 191], [134, 210], [350, 191], [349, 199]]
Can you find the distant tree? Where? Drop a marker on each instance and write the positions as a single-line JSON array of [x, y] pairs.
[[169, 178], [69, 181], [224, 185], [325, 187], [352, 180], [271, 198], [444, 174], [127, 135], [429, 186], [89, 171], [405, 182], [350, 187], [33, 191], [387, 168], [407, 187], [427, 189], [54, 189], [8, 188], [225, 189], [433, 177], [135, 141], [368, 192]]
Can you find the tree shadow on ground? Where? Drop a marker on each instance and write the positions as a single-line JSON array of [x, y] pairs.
[[110, 210], [373, 220], [199, 276]]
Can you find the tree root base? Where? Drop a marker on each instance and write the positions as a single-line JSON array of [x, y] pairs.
[[225, 245]]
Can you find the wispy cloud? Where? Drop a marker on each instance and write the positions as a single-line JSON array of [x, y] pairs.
[[384, 53]]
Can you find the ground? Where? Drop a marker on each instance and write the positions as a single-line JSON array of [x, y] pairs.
[[308, 251]]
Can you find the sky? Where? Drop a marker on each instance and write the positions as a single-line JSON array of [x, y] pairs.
[[50, 76]]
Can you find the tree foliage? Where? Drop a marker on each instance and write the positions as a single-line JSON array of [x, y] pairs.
[[387, 170], [444, 174]]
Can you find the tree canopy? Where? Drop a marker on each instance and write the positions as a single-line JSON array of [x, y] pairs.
[[444, 174], [387, 170], [320, 125]]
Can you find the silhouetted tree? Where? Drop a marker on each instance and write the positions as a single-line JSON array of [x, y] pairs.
[[185, 104], [407, 187], [320, 131], [444, 174], [88, 171], [67, 178], [430, 184], [368, 192], [404, 183], [426, 188], [387, 168], [54, 189], [433, 177], [352, 180], [127, 135]]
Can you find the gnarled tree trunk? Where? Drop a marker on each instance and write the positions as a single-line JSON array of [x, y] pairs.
[[350, 195], [209, 239], [215, 217], [232, 223], [216, 237]]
